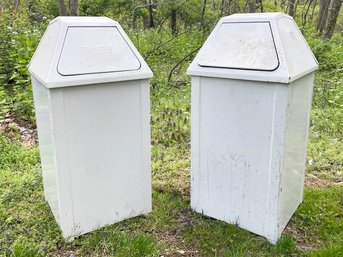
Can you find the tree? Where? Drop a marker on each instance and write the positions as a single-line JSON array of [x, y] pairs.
[[251, 5], [335, 7], [291, 7], [260, 2], [173, 21], [322, 15], [62, 7], [151, 14], [74, 6]]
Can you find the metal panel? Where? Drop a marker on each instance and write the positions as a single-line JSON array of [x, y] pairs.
[[296, 137], [241, 45], [298, 55], [46, 145], [102, 154], [40, 64], [88, 50], [235, 151]]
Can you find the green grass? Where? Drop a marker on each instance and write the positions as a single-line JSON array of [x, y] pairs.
[[27, 227], [325, 153]]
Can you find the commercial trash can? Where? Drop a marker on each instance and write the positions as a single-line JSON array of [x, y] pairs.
[[91, 95], [252, 87]]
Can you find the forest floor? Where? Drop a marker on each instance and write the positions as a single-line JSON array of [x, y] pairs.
[[27, 227]]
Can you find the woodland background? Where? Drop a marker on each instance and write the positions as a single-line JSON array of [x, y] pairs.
[[168, 34]]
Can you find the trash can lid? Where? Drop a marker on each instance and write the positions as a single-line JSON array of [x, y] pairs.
[[241, 45], [86, 50], [262, 46]]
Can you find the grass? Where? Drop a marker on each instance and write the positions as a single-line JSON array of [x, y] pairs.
[[27, 227]]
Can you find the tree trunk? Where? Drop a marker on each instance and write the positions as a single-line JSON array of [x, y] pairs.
[[261, 5], [62, 8], [335, 6], [225, 8], [134, 14], [151, 15], [146, 22], [228, 12], [74, 8], [202, 24], [282, 4], [222, 7], [305, 11], [291, 8], [173, 21], [251, 5], [203, 13], [313, 9], [322, 15], [17, 5]]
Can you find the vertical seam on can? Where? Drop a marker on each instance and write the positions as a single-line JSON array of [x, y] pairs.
[[270, 159], [69, 168]]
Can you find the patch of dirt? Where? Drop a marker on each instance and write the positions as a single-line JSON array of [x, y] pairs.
[[176, 186], [304, 241], [24, 130], [28, 134], [174, 245], [172, 239], [314, 181], [63, 253]]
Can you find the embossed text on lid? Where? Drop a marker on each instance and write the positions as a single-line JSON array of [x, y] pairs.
[[91, 50]]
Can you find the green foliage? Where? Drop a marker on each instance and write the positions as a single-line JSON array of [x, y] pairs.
[[171, 118], [19, 38], [330, 251], [118, 243], [328, 89], [23, 248], [321, 220], [27, 226]]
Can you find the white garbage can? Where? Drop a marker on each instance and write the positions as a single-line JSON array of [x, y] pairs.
[[252, 87], [91, 95]]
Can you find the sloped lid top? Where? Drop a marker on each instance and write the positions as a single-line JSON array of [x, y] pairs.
[[86, 50], [263, 47], [241, 45], [89, 50]]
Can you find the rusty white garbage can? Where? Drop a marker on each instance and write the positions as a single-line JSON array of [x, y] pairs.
[[252, 87], [91, 95]]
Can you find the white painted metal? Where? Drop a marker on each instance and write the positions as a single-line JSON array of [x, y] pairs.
[[294, 56], [95, 50], [249, 134], [244, 45], [56, 59], [95, 138]]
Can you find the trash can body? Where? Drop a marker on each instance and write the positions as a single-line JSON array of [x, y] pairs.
[[250, 121], [93, 118]]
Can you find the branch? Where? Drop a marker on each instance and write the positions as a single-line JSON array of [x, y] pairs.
[[181, 61]]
